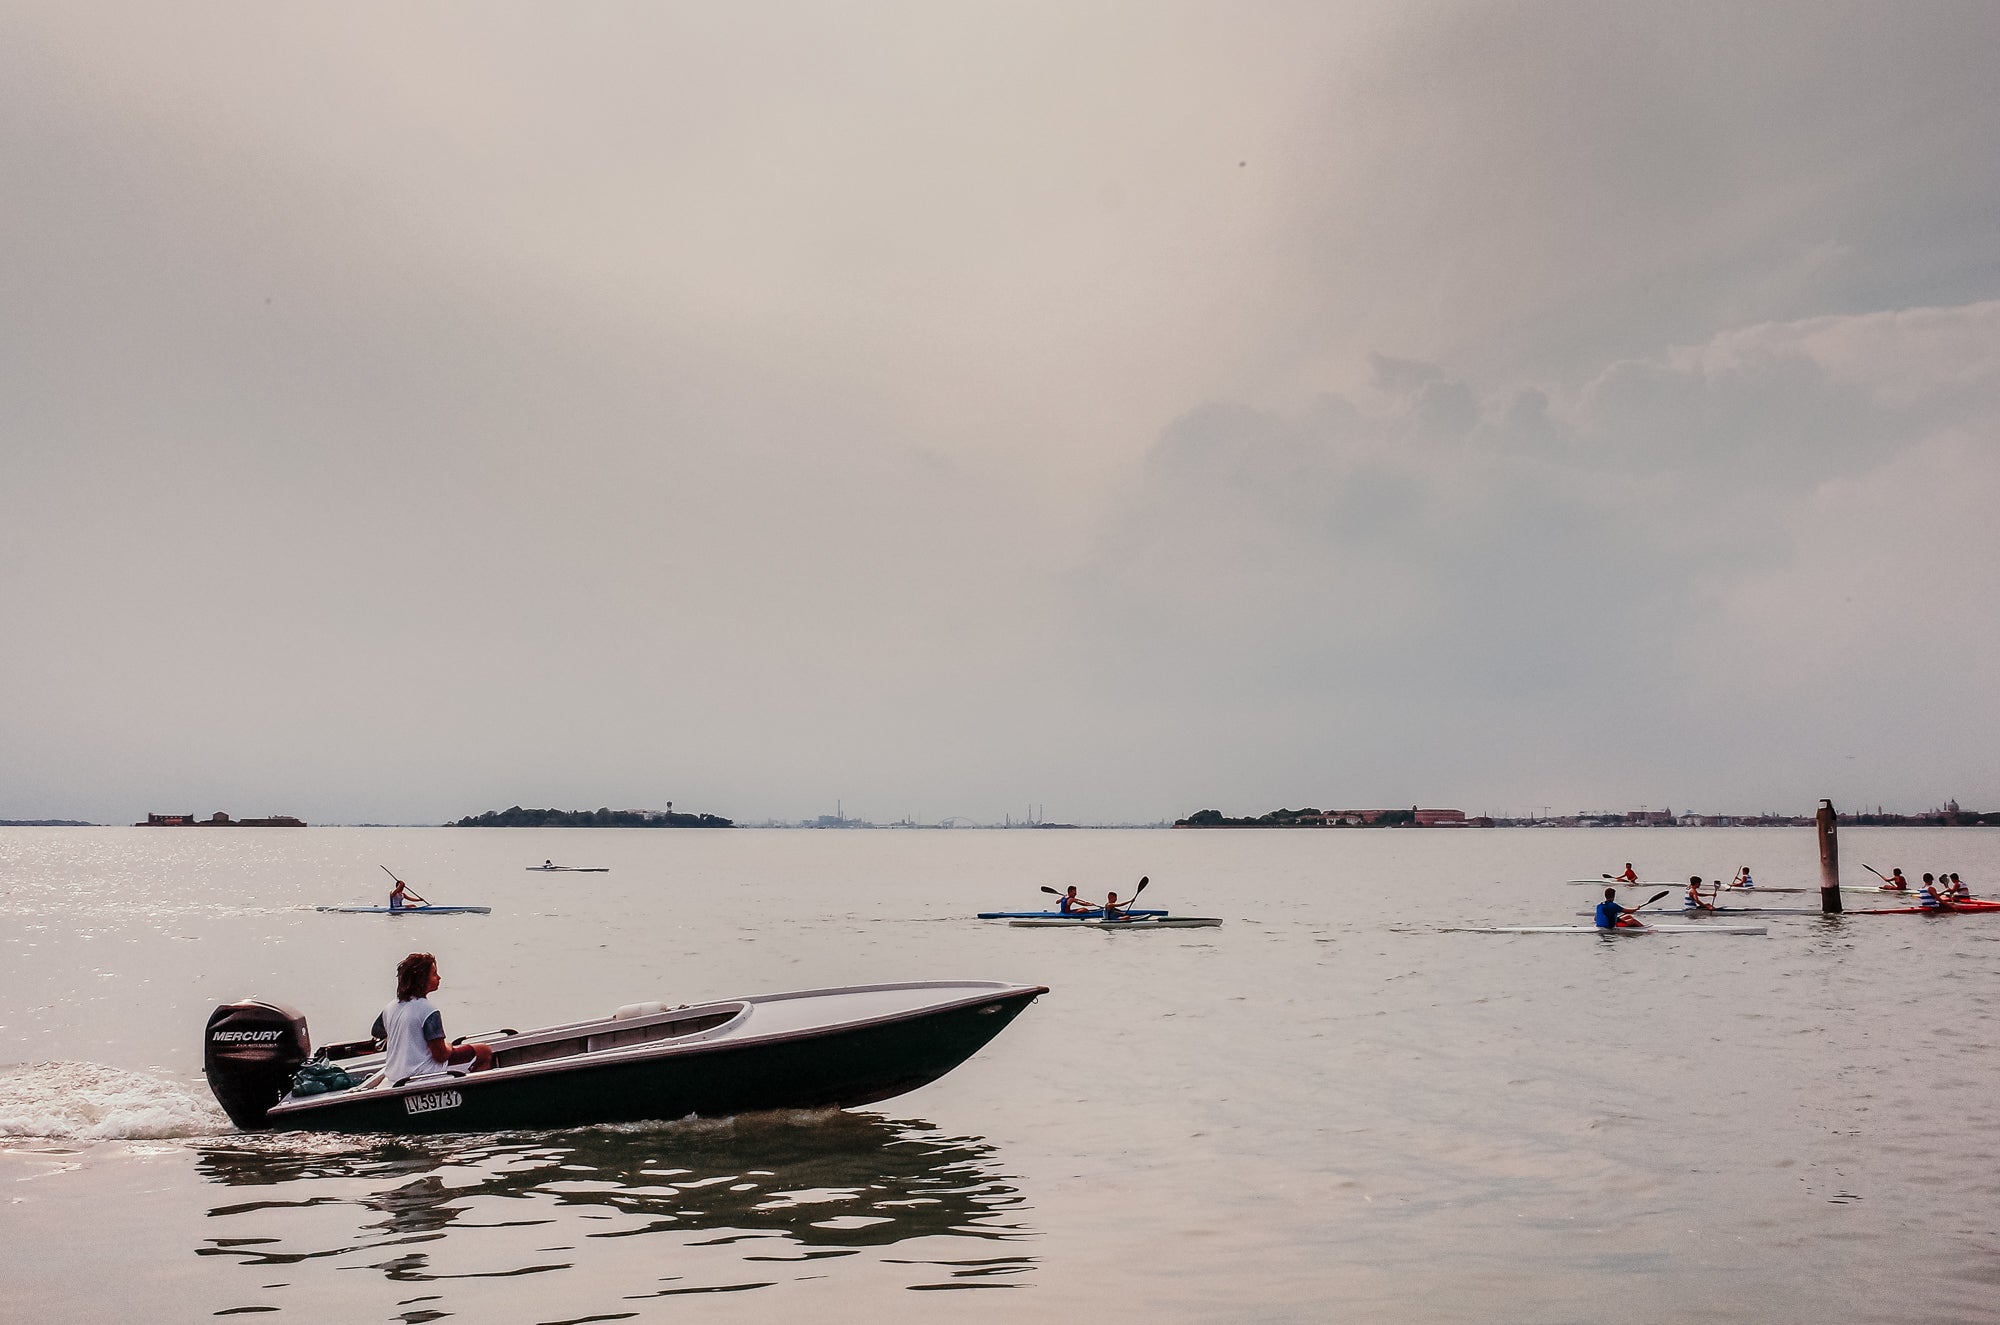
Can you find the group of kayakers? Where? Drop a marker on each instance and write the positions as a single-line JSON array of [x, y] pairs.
[[1070, 904], [1941, 888], [1936, 889]]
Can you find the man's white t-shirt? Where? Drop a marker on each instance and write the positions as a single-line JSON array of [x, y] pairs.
[[407, 1028]]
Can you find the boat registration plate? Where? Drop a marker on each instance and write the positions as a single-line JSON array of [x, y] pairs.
[[432, 1101]]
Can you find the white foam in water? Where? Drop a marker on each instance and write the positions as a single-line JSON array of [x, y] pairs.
[[92, 1102]]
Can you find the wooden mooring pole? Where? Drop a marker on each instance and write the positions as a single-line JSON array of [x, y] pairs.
[[1829, 860]]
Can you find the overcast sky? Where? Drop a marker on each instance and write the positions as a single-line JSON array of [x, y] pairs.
[[1126, 409]]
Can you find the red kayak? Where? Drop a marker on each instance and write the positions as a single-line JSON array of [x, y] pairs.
[[1975, 904]]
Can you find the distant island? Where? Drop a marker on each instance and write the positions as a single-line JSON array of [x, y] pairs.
[[1947, 816], [219, 819], [1314, 818], [46, 823], [516, 817]]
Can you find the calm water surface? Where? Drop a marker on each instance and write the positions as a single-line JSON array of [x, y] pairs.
[[1327, 1108]]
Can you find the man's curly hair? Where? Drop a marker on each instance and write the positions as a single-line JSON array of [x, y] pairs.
[[413, 976]]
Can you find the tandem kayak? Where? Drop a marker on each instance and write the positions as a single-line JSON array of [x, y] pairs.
[[1975, 904], [816, 1049], [1056, 915], [409, 910], [1621, 930], [1141, 922]]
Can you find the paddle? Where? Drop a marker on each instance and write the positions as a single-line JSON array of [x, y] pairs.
[[420, 901], [1125, 906]]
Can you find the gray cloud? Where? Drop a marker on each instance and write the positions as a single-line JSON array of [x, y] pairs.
[[406, 412]]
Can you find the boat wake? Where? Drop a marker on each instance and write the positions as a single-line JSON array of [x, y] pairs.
[[92, 1102]]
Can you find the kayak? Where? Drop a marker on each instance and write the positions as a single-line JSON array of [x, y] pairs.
[[1624, 929], [1055, 915], [1731, 911], [569, 869], [1643, 883], [1760, 888], [1143, 922], [409, 910], [1975, 904]]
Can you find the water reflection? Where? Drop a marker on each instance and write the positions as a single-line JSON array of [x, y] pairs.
[[790, 1188]]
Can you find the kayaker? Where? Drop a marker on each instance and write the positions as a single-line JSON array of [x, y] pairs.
[[1611, 915], [400, 897], [1693, 902], [1743, 879], [1959, 892], [411, 1031], [1112, 910], [1070, 904], [1896, 882], [1927, 896], [1629, 876]]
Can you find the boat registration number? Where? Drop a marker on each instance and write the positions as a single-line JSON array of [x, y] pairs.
[[432, 1101]]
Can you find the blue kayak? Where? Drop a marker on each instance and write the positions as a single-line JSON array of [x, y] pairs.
[[409, 910], [1055, 915]]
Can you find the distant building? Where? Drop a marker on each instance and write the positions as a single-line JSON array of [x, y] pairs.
[[1413, 815], [220, 819]]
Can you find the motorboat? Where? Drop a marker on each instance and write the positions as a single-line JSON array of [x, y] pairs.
[[811, 1049]]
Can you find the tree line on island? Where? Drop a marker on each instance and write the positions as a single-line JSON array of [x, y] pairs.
[[516, 817]]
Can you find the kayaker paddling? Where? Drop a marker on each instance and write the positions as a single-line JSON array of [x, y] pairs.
[[1612, 915], [1693, 901], [1629, 876], [1958, 892], [411, 1031], [1743, 879], [1070, 904], [1895, 882], [402, 898], [1928, 896]]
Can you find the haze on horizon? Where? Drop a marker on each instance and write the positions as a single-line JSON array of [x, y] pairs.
[[1122, 408]]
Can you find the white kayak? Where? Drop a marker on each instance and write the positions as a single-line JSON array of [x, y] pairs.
[[1622, 930], [1643, 883], [1142, 922], [1686, 914]]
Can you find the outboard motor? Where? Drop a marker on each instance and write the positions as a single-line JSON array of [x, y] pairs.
[[251, 1052]]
